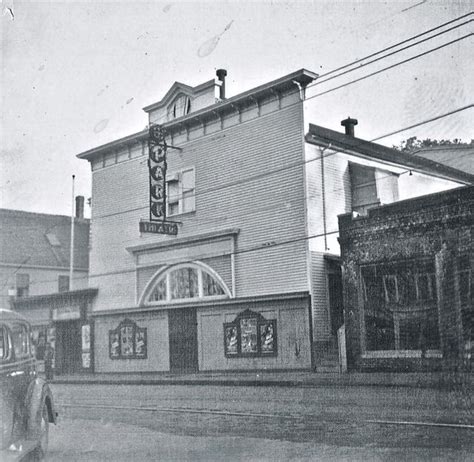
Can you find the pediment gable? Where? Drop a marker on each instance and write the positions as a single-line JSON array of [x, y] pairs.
[[176, 89]]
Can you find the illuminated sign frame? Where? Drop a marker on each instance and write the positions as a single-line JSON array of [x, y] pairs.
[[157, 166]]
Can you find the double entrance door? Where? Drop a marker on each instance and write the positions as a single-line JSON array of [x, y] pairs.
[[182, 325]]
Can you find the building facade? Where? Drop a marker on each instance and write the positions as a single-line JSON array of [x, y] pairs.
[[35, 271], [247, 275], [408, 294]]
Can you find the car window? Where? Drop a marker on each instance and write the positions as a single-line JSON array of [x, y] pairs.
[[21, 343], [4, 349]]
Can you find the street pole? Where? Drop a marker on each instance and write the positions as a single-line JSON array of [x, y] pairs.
[[71, 259]]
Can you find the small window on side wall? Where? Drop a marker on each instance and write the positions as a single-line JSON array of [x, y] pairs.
[[250, 335]]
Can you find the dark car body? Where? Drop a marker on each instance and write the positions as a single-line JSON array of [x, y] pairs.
[[26, 401]]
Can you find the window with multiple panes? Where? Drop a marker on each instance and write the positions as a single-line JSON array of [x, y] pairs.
[[185, 282], [181, 192], [400, 306], [22, 285]]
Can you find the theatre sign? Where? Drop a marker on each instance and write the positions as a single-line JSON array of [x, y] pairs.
[[157, 148], [164, 227]]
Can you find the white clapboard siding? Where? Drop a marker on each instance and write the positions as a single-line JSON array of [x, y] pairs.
[[267, 210], [319, 297]]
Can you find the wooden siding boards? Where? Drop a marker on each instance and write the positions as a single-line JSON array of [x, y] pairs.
[[266, 209], [144, 276], [336, 195], [223, 267], [292, 333], [116, 290], [157, 348], [319, 299]]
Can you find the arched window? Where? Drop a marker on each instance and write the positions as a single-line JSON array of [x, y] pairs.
[[183, 282]]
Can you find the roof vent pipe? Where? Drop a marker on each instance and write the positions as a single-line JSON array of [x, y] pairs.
[[349, 125], [221, 73]]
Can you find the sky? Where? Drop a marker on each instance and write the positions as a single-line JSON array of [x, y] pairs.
[[76, 75]]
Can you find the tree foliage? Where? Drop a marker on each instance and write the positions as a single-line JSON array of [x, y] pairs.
[[413, 143]]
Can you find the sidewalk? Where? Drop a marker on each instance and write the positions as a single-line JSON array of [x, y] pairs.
[[277, 379]]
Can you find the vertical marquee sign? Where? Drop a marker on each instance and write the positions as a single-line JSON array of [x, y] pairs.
[[157, 168], [157, 148]]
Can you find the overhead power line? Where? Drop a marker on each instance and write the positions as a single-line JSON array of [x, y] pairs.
[[345, 66], [319, 82], [288, 166], [246, 213], [391, 66], [330, 90], [304, 162], [454, 111], [258, 248]]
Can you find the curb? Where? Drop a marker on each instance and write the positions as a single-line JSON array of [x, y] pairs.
[[321, 382]]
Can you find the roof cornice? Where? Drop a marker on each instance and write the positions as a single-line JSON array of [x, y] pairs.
[[71, 295], [302, 76], [205, 303]]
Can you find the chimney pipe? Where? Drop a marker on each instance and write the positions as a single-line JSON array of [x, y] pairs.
[[349, 125], [79, 206], [221, 73]]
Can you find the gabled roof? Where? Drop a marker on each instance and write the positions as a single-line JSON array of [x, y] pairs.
[[38, 239], [459, 156], [350, 144], [176, 88]]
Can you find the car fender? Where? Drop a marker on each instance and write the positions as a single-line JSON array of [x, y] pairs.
[[39, 393]]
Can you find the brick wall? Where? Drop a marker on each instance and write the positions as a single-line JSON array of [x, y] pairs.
[[438, 227]]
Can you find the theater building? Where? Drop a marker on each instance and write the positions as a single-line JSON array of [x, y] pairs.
[[245, 273]]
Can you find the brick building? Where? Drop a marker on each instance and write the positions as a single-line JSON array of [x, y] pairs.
[[407, 277], [251, 277]]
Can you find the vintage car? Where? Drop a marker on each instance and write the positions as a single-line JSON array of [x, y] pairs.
[[26, 402]]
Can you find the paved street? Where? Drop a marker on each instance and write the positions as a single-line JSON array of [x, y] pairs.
[[104, 422]]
